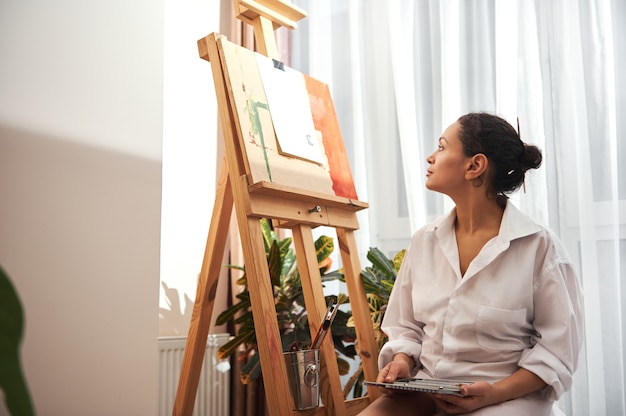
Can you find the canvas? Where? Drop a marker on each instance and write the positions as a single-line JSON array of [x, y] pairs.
[[321, 166]]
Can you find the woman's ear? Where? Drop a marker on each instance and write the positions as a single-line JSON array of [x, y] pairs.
[[477, 165]]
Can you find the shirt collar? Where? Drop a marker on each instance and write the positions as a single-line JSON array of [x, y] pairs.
[[515, 224]]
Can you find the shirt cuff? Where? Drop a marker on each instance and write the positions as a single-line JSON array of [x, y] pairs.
[[550, 369], [391, 348]]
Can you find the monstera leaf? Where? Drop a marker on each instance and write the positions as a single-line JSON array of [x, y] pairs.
[[12, 380]]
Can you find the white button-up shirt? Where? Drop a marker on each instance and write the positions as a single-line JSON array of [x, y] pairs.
[[519, 304]]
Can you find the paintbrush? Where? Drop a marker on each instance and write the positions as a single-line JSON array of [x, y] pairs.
[[329, 316]]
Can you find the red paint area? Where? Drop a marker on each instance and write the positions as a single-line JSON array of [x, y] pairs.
[[325, 120]]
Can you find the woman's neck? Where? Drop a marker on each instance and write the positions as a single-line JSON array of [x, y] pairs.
[[479, 215]]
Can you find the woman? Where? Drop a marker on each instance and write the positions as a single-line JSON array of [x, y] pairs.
[[484, 293]]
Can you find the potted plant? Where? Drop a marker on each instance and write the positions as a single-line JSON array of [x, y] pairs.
[[290, 310], [378, 279]]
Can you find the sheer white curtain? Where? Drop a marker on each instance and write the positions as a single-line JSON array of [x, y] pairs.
[[402, 70]]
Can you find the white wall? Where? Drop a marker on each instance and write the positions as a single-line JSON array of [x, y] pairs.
[[189, 158], [81, 95]]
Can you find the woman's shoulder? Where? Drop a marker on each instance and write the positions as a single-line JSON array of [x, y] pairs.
[[544, 239]]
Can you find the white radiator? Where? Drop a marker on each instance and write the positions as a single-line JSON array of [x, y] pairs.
[[213, 394]]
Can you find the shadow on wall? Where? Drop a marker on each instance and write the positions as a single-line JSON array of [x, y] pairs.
[[80, 235], [175, 320]]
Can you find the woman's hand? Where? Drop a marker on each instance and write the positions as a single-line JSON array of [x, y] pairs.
[[475, 396], [481, 393], [400, 367]]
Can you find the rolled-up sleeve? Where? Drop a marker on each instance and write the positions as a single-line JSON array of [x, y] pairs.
[[559, 328]]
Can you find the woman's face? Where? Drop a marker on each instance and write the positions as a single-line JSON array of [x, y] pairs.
[[447, 164]]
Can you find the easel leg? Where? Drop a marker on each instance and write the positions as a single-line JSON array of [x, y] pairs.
[[269, 344], [205, 297], [330, 383], [360, 309]]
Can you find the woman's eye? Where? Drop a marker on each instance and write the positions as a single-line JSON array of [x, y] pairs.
[[439, 147]]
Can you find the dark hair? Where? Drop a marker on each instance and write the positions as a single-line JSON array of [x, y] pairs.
[[508, 155]]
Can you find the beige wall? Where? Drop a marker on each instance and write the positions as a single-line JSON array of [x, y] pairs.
[[81, 97]]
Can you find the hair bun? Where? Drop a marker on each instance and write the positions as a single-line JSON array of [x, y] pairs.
[[532, 157]]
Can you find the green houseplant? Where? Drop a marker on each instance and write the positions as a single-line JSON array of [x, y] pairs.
[[12, 380], [378, 279], [289, 301]]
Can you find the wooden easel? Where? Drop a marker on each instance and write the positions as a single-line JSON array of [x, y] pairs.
[[289, 208]]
